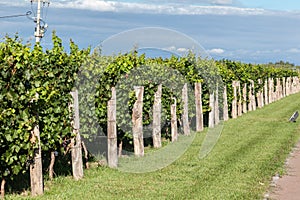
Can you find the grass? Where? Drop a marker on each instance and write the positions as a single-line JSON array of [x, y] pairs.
[[250, 150]]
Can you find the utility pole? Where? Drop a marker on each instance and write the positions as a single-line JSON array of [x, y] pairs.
[[36, 168], [38, 35], [39, 29]]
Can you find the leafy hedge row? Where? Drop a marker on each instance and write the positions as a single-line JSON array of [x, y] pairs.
[[35, 86], [125, 71], [243, 72], [34, 90]]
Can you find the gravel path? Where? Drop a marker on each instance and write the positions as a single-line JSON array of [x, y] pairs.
[[288, 187]]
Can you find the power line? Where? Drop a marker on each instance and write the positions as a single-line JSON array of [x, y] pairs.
[[18, 15], [41, 26]]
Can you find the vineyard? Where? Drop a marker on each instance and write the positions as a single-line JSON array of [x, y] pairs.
[[122, 98]]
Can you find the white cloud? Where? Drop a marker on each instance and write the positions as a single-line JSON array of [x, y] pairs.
[[293, 50], [222, 2], [180, 50], [174, 7], [183, 50], [171, 48], [216, 51], [197, 2], [164, 8], [14, 3], [98, 5]]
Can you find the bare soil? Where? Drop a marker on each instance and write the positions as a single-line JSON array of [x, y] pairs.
[[288, 186]]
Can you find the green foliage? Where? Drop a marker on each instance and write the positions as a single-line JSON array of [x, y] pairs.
[[249, 152], [124, 71], [17, 119], [237, 71], [34, 90]]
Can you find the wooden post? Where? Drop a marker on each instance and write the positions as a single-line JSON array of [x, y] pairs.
[[112, 146], [278, 89], [211, 117], [240, 99], [51, 165], [2, 188], [198, 102], [259, 96], [271, 90], [289, 83], [290, 86], [283, 87], [253, 99], [234, 101], [262, 102], [250, 97], [245, 98], [156, 132], [266, 92], [137, 122], [297, 84], [185, 113], [174, 131], [217, 112], [274, 91], [76, 151], [287, 92], [86, 155], [36, 168], [258, 99], [294, 85], [225, 106]]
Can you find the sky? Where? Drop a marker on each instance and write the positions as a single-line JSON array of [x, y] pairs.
[[256, 31]]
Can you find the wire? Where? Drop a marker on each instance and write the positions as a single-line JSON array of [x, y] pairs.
[[42, 11], [32, 9], [46, 11], [19, 15]]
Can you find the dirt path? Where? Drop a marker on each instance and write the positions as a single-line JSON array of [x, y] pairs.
[[288, 187]]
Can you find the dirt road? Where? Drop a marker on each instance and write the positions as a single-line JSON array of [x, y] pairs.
[[288, 187]]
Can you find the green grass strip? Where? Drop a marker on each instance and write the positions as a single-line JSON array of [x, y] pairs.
[[250, 150], [157, 159]]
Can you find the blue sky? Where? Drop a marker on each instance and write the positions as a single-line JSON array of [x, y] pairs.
[[273, 4], [257, 31]]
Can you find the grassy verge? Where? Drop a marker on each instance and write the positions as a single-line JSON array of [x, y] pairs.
[[250, 150]]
